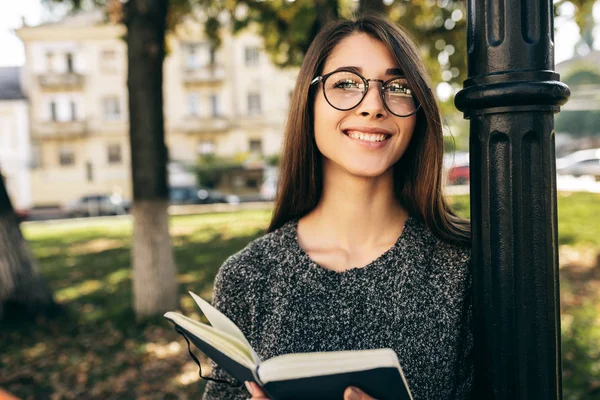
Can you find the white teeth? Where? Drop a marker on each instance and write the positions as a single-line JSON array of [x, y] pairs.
[[366, 137]]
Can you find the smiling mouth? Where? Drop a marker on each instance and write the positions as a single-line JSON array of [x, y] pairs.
[[367, 137]]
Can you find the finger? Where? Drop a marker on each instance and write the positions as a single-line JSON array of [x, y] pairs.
[[353, 393], [255, 391]]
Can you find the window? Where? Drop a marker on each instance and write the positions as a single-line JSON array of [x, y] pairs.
[[69, 58], [108, 60], [36, 156], [89, 171], [252, 183], [114, 154], [112, 108], [256, 146], [254, 107], [251, 56], [53, 111], [194, 104], [73, 111], [50, 61], [212, 55], [193, 59], [206, 147], [214, 104], [66, 156]]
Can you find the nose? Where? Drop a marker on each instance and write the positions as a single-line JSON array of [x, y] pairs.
[[372, 104]]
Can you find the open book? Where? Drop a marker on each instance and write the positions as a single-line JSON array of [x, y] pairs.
[[298, 376]]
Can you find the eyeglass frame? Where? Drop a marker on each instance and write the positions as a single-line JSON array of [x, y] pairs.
[[323, 78]]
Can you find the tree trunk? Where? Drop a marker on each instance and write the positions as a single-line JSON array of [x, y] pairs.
[[154, 273], [21, 286]]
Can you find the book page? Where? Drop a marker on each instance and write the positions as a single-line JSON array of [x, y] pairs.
[[303, 365], [222, 341], [220, 322]]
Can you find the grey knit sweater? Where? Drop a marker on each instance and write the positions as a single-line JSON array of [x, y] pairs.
[[414, 298]]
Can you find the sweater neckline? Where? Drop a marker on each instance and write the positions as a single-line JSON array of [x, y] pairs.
[[313, 266]]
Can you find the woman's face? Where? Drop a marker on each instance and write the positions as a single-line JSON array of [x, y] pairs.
[[338, 133]]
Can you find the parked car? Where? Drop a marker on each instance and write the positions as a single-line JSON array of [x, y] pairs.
[[97, 205], [21, 214], [458, 175], [199, 195], [583, 162]]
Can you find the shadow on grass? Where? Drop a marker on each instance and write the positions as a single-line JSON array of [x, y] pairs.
[[92, 347]]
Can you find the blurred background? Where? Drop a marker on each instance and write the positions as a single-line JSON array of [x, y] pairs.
[[229, 72]]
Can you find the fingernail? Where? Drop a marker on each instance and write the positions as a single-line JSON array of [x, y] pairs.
[[249, 387], [354, 394]]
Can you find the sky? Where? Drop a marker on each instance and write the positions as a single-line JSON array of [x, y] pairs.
[[13, 12]]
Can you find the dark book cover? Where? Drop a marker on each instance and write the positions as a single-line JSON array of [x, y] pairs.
[[380, 383]]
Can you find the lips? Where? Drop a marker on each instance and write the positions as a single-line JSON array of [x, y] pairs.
[[367, 130], [367, 134]]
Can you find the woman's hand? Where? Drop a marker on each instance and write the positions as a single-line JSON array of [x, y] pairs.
[[351, 393], [255, 391]]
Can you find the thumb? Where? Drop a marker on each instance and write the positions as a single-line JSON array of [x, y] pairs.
[[353, 393], [254, 390]]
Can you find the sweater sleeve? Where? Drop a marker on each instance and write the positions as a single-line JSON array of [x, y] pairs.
[[229, 297]]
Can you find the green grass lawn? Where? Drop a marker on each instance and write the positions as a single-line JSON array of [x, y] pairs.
[[94, 349]]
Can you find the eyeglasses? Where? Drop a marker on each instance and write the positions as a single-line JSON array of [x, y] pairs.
[[344, 90]]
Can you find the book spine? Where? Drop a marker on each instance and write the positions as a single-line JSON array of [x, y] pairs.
[[261, 384], [256, 378]]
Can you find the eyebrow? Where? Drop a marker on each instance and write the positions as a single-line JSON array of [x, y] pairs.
[[389, 71]]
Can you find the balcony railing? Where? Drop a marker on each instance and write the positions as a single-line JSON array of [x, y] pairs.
[[66, 80], [193, 125], [59, 129], [207, 74]]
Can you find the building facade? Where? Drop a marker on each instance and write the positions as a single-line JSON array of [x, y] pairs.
[[227, 102], [15, 146]]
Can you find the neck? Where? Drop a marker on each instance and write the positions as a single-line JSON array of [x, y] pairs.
[[358, 211]]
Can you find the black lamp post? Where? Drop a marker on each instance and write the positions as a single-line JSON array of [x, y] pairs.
[[510, 97]]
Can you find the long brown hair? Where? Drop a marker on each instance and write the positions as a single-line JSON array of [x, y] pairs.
[[418, 173]]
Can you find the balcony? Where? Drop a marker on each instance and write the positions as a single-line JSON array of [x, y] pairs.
[[61, 81], [193, 125], [207, 74], [59, 129]]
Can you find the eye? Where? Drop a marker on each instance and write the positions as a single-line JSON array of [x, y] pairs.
[[399, 88], [347, 84]]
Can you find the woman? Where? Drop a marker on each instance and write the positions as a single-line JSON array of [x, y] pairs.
[[362, 252]]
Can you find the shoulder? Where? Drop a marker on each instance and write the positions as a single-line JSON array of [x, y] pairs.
[[419, 232], [257, 255], [449, 256]]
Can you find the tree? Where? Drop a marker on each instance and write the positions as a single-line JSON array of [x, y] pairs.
[[21, 287], [288, 27], [154, 283], [154, 271]]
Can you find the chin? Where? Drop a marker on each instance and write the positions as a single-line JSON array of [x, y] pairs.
[[367, 172]]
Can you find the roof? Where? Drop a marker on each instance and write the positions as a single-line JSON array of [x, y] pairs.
[[81, 18], [10, 84]]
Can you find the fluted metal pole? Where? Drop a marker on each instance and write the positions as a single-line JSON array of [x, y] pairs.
[[510, 97]]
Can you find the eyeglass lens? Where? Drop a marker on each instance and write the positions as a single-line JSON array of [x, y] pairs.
[[344, 90]]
